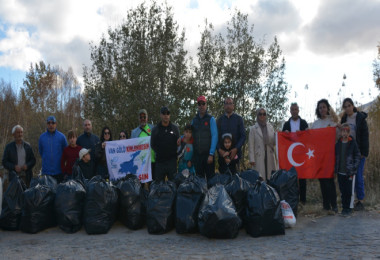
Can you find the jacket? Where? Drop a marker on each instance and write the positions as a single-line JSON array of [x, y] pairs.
[[164, 141], [205, 134], [362, 136], [50, 146], [256, 150], [352, 156], [137, 131], [233, 125], [10, 158], [80, 168], [303, 125], [88, 141]]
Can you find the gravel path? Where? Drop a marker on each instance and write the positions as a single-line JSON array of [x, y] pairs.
[[328, 237]]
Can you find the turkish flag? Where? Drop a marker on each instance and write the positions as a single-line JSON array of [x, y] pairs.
[[311, 152]]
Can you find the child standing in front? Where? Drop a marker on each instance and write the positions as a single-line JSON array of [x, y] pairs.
[[347, 159], [185, 151], [225, 162]]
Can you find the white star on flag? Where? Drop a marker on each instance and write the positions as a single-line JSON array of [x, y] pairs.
[[310, 153]]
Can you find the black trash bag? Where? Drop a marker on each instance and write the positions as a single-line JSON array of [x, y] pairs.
[[237, 188], [250, 175], [12, 203], [144, 200], [100, 208], [180, 177], [130, 207], [286, 185], [222, 179], [37, 209], [46, 180], [217, 216], [263, 213], [69, 203], [160, 212], [190, 195]]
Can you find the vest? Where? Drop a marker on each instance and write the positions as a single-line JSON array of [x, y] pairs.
[[202, 134]]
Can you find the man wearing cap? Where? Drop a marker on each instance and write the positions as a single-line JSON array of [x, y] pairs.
[[232, 123], [205, 136], [143, 130], [164, 142], [18, 156], [50, 146], [88, 140], [84, 166]]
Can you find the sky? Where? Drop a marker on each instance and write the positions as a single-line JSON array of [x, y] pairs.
[[321, 40]]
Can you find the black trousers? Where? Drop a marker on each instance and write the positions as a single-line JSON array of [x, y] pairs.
[[58, 177], [328, 193], [302, 186], [345, 187], [223, 166], [166, 168], [202, 168]]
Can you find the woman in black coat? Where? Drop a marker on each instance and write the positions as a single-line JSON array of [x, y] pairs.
[[100, 153]]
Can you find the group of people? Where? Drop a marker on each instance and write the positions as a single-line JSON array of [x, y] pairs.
[[194, 151]]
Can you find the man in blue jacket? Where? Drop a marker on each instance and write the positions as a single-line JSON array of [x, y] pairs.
[[50, 146], [205, 136]]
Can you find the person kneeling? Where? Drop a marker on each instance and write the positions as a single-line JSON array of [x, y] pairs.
[[84, 166]]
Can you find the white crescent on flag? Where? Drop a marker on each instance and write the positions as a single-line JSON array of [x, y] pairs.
[[290, 154]]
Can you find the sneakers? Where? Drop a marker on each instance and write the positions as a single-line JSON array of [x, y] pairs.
[[359, 206], [346, 212]]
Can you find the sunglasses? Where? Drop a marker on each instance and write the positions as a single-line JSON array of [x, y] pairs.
[[262, 114], [122, 136], [142, 117], [51, 123], [165, 113], [106, 133], [201, 103]]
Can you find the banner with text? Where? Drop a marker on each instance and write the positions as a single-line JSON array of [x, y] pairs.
[[131, 156]]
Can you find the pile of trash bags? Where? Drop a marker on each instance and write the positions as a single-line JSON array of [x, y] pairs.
[[217, 208]]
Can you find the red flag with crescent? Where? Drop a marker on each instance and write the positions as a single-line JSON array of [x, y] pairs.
[[311, 152]]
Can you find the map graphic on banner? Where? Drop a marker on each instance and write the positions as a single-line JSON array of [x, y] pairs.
[[131, 156]]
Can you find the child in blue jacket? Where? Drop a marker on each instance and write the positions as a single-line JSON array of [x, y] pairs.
[[185, 151]]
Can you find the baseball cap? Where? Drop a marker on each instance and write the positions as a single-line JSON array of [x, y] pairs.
[[201, 98], [164, 110], [83, 152], [143, 111], [51, 118]]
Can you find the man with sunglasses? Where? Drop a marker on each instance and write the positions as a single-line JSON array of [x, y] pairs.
[[205, 136], [144, 129], [50, 146], [164, 142]]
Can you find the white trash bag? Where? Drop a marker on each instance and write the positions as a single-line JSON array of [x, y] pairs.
[[287, 214]]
